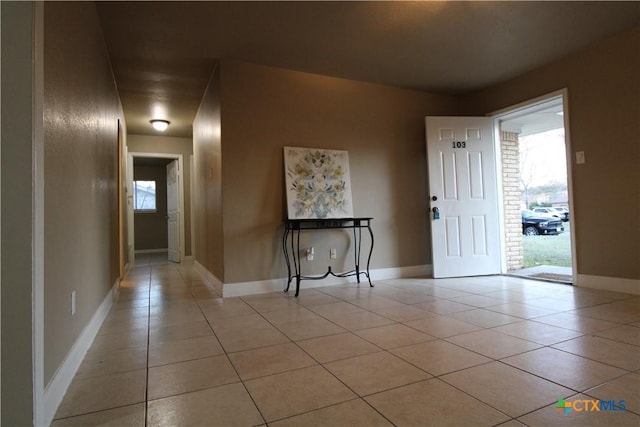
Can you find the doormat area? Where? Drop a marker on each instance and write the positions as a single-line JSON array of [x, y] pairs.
[[552, 276]]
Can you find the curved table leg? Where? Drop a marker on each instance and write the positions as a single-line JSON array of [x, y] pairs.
[[298, 265], [370, 253], [357, 244], [286, 257]]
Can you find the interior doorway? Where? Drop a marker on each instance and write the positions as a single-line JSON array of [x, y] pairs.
[[536, 181], [151, 233]]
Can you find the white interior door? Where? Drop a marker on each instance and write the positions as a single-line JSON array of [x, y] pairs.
[[173, 212], [465, 233]]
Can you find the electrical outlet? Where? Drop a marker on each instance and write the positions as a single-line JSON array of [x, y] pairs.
[[73, 303], [332, 253]]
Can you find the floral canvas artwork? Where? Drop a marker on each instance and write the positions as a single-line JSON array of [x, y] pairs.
[[318, 183]]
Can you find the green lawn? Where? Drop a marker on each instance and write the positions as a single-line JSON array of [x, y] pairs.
[[548, 250]]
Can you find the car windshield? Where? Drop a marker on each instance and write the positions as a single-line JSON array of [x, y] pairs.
[[527, 213]]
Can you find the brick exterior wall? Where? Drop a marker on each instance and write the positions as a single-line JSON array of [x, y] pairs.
[[512, 199]]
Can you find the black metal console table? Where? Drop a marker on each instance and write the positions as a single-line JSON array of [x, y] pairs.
[[293, 227]]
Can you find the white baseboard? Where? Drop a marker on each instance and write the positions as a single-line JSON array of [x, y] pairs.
[[59, 384], [402, 272], [616, 284], [240, 289], [278, 285], [213, 280], [151, 251]]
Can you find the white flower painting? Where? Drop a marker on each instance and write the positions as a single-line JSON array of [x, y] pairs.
[[318, 183]]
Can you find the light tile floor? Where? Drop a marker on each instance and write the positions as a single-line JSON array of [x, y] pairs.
[[468, 351]]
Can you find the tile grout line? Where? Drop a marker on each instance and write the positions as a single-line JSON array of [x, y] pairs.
[[226, 354], [381, 350], [146, 386], [261, 314], [386, 351], [394, 322], [358, 397], [442, 339], [322, 365]]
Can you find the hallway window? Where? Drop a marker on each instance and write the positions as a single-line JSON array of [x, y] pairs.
[[144, 196]]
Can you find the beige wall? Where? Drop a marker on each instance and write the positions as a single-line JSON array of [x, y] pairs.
[[265, 109], [603, 85], [207, 151], [80, 117], [150, 228], [170, 145]]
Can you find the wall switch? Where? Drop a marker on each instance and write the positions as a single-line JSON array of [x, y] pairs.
[[73, 303], [310, 253], [580, 157], [332, 253]]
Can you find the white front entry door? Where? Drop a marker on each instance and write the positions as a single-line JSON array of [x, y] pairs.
[[173, 213], [465, 237]]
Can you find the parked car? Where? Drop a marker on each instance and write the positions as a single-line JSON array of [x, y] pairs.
[[564, 213], [555, 212], [534, 224], [546, 211]]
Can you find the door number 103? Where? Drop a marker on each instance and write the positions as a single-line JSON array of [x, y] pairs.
[[459, 144]]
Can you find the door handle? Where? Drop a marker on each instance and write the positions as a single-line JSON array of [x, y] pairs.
[[436, 213]]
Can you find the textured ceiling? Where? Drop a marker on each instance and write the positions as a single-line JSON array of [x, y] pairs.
[[162, 53]]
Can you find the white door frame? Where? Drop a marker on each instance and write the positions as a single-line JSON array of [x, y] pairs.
[[130, 156], [173, 210], [522, 106], [192, 208]]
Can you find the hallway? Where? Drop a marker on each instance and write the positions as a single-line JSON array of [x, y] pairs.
[[468, 351]]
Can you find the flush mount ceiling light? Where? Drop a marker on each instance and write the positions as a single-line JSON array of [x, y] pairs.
[[160, 125]]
